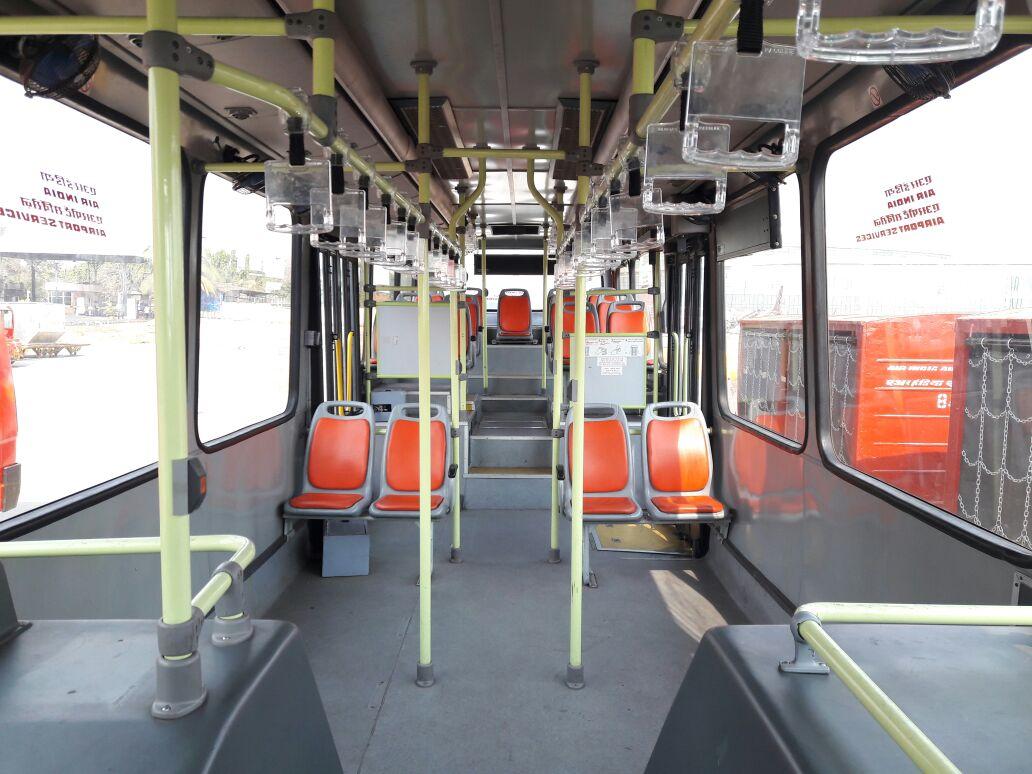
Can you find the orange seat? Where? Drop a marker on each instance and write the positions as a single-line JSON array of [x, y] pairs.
[[324, 500], [405, 502], [590, 326], [607, 466], [678, 465], [626, 317], [399, 488], [687, 504], [338, 463], [514, 314]]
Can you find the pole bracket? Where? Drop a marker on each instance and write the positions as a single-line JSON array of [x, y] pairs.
[[805, 661], [558, 433], [659, 27], [369, 303], [172, 51], [232, 622], [419, 166], [308, 25]]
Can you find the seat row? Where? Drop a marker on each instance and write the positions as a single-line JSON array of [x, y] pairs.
[[676, 460], [337, 481]]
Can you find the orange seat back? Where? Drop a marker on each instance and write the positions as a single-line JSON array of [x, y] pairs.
[[339, 454], [474, 315], [606, 459], [678, 455], [568, 326], [514, 312], [402, 459], [627, 322]]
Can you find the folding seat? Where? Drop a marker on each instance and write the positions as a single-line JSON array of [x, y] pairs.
[[399, 474], [338, 463], [608, 467], [608, 475], [514, 317], [677, 466]]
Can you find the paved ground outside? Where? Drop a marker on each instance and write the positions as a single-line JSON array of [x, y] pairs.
[[83, 420]]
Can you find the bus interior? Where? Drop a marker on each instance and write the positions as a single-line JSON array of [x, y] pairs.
[[514, 385]]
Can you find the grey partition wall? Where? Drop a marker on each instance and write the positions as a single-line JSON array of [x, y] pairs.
[[396, 340]]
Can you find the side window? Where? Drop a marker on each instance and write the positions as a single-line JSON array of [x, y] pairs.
[[763, 332], [244, 340], [930, 306], [75, 296]]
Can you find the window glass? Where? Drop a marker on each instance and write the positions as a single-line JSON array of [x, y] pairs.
[[929, 303], [763, 336], [75, 289], [244, 341]]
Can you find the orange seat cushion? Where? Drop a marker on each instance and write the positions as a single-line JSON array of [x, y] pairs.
[[606, 465], [402, 458], [603, 506], [324, 501], [687, 504], [339, 455], [395, 502], [678, 455], [513, 313]]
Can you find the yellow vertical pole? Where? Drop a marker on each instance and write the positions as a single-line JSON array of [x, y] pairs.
[[483, 296], [169, 321], [349, 389], [324, 80], [558, 382], [465, 334], [424, 666], [544, 304], [453, 334], [575, 425]]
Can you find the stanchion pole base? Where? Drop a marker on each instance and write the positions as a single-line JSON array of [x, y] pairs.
[[553, 556], [424, 675], [456, 556], [574, 677]]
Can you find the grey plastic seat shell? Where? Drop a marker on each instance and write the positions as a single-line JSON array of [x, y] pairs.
[[409, 412], [653, 513], [603, 412], [324, 413], [592, 313]]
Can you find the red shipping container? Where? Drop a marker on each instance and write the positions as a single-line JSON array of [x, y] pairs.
[[990, 446]]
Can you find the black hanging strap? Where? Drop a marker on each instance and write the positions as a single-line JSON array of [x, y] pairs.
[[296, 151], [634, 180], [337, 174], [750, 27]]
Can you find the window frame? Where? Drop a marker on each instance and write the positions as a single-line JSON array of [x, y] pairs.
[[720, 324], [298, 254], [951, 524]]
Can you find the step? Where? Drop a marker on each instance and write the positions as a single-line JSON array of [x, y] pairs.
[[515, 452], [494, 490], [513, 359], [505, 404]]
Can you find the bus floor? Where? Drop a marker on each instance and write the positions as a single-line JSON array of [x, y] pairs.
[[500, 648]]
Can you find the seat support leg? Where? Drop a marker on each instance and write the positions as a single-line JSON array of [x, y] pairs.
[[587, 575]]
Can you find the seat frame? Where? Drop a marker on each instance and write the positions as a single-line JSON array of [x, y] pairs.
[[324, 412], [409, 412], [655, 515]]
